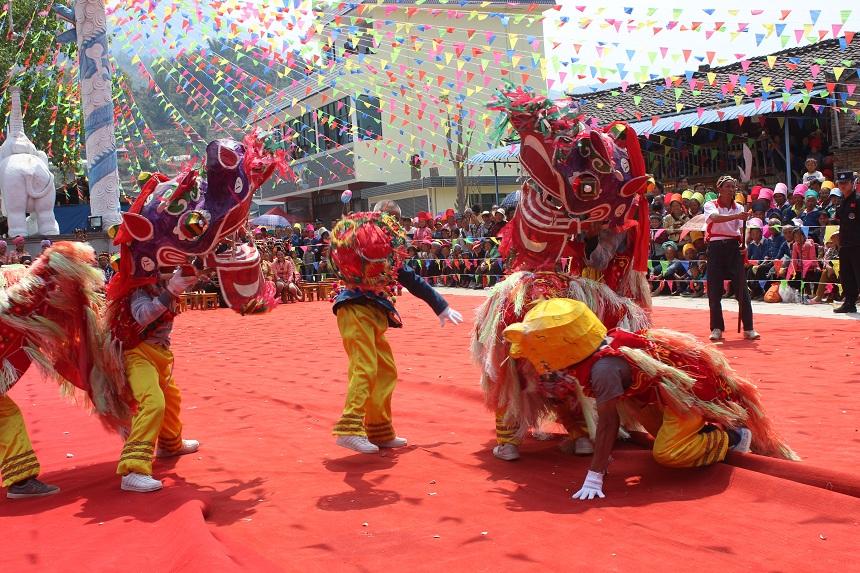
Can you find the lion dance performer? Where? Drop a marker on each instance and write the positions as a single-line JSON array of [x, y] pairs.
[[583, 204], [368, 250], [682, 392], [171, 221], [50, 313]]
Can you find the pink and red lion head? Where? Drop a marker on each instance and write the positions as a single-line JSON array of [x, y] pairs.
[[175, 220], [580, 176]]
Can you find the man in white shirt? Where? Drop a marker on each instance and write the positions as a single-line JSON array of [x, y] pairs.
[[725, 257]]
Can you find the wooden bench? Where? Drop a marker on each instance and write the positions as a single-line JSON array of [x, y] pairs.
[[210, 301], [324, 290], [309, 290]]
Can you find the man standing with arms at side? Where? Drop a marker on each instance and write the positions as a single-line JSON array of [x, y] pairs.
[[725, 257], [849, 241]]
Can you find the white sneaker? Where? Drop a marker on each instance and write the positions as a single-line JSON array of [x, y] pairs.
[[397, 442], [583, 446], [358, 443], [507, 452], [751, 335], [140, 483], [716, 334], [744, 445], [188, 447]]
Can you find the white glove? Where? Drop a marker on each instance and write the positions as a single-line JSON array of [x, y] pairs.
[[179, 283], [592, 486], [451, 316]]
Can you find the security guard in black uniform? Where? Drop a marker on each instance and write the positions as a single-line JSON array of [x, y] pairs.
[[849, 240]]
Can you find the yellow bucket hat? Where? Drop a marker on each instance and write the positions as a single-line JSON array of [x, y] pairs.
[[555, 334], [688, 194], [827, 185]]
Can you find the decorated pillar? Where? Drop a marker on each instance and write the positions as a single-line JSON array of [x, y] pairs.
[[96, 78]]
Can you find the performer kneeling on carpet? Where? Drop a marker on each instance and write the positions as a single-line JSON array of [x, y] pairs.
[[149, 370], [682, 392], [368, 250]]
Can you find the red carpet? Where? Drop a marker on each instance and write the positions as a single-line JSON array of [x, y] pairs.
[[269, 490]]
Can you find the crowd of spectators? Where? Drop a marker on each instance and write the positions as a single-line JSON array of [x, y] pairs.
[[792, 238]]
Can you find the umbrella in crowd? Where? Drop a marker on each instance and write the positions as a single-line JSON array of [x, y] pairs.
[[697, 223], [271, 221], [511, 200]]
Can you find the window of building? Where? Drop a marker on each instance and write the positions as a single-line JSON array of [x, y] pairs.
[[368, 117], [306, 141], [335, 123]]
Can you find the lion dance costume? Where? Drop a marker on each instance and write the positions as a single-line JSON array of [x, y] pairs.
[[682, 392], [172, 221], [50, 314], [583, 204], [368, 250]]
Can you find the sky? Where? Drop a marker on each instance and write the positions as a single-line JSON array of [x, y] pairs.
[[642, 50]]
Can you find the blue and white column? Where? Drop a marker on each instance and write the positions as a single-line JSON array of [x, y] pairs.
[[96, 79]]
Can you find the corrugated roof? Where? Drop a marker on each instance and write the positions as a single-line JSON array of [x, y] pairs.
[[655, 98], [507, 154], [686, 120]]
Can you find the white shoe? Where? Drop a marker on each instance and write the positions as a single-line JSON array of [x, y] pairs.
[[358, 443], [140, 483], [751, 335], [507, 452], [744, 445], [397, 442], [188, 447], [583, 446], [716, 334]]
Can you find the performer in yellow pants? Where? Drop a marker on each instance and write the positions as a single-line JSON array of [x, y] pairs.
[[681, 393], [367, 251], [149, 369], [372, 373], [17, 459], [18, 464]]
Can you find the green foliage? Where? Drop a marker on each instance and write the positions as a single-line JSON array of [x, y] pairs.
[[47, 77]]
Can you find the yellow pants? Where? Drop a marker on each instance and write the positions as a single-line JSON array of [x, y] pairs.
[[149, 370], [681, 443], [507, 434], [372, 373], [17, 459]]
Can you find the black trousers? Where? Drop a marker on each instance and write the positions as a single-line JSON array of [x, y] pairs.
[[725, 263], [849, 273]]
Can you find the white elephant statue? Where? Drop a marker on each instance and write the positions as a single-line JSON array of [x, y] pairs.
[[26, 181]]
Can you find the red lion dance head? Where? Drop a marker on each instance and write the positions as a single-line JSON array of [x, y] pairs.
[[582, 178]]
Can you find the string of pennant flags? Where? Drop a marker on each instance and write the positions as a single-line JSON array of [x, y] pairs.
[[406, 40]]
